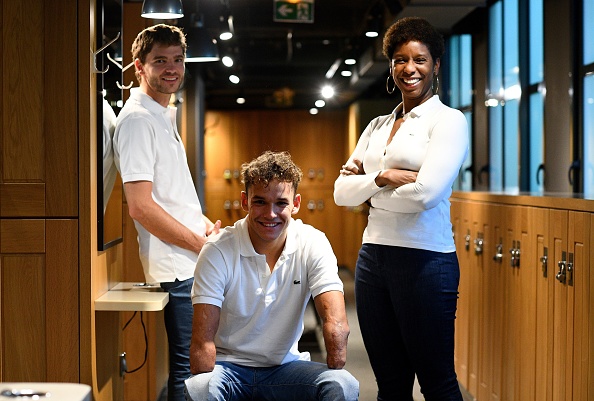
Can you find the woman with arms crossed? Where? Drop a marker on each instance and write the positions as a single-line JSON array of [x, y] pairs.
[[407, 274]]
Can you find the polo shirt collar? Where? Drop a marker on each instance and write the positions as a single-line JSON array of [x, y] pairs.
[[147, 102]]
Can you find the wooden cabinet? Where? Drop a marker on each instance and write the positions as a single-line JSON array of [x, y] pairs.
[[524, 327], [39, 330], [39, 193]]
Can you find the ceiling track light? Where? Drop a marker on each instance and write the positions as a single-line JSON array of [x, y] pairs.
[[162, 9]]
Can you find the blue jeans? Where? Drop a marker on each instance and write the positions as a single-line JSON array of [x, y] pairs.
[[406, 305], [293, 381], [178, 324]]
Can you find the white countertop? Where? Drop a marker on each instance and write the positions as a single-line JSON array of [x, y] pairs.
[[45, 391], [133, 297]]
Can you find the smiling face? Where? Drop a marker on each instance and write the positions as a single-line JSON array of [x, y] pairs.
[[413, 70], [162, 73], [269, 210]]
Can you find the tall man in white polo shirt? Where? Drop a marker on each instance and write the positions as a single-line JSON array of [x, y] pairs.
[[159, 189], [252, 284]]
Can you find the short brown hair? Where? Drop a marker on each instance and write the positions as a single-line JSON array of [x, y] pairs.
[[271, 166], [161, 34], [413, 28]]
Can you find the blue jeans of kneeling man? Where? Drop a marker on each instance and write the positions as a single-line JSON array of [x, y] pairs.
[[293, 381]]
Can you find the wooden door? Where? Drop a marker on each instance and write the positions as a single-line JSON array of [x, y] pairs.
[[39, 316], [461, 221], [511, 313], [579, 244], [543, 259], [562, 300], [491, 320]]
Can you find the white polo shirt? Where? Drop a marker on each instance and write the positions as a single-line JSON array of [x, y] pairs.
[[262, 311], [147, 147]]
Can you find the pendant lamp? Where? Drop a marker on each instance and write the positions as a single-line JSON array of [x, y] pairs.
[[162, 9]]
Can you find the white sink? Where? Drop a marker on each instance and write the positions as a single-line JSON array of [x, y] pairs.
[[45, 391]]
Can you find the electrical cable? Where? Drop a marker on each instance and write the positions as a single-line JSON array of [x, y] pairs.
[[145, 341]]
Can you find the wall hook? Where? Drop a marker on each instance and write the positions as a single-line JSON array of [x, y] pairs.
[[95, 69], [113, 60], [119, 85]]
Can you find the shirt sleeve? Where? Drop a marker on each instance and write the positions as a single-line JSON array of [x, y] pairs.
[[446, 151], [322, 266], [209, 277], [353, 190], [136, 149]]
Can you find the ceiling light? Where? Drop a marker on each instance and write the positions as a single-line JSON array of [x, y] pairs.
[[234, 79], [327, 91], [162, 9], [332, 70], [227, 61], [350, 61], [228, 30], [346, 73], [372, 34], [201, 46], [313, 111], [320, 103], [240, 100]]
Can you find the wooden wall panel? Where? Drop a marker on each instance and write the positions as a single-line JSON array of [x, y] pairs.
[[22, 236], [60, 119], [23, 318], [22, 122], [317, 144], [22, 199], [62, 301]]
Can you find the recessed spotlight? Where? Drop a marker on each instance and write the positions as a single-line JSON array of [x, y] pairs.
[[346, 73], [240, 100], [350, 61], [234, 79], [313, 111], [320, 103], [371, 34], [327, 91], [227, 61]]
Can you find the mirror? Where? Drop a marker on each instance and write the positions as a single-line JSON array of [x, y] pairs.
[[109, 103]]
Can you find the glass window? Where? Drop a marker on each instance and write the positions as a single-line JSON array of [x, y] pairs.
[[535, 145], [512, 94], [495, 96], [589, 135], [536, 115], [536, 47], [588, 29], [460, 95]]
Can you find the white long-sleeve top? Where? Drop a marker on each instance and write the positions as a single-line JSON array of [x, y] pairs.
[[433, 140]]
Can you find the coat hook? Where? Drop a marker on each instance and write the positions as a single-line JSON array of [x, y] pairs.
[[96, 70], [118, 64], [124, 87]]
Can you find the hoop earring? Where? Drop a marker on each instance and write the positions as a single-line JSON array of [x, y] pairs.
[[436, 88], [388, 85]]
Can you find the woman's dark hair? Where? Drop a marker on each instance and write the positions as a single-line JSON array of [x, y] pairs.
[[413, 28]]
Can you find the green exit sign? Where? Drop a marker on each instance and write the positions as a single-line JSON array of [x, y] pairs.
[[294, 11]]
